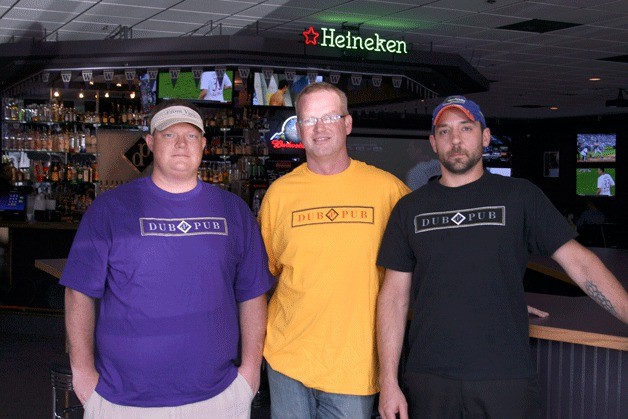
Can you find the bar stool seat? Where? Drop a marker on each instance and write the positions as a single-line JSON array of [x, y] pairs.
[[65, 404]]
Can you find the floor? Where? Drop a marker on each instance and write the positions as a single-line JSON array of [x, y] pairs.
[[28, 345]]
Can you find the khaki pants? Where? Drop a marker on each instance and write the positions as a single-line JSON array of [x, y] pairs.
[[233, 403]]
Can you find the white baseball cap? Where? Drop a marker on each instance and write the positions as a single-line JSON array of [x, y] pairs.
[[175, 115]]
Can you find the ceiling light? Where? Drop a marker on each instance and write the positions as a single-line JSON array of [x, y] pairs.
[[56, 93], [620, 102], [81, 95], [132, 95], [118, 84], [106, 94], [595, 78], [553, 108]]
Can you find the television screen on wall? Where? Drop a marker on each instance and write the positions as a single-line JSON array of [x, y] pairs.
[[208, 90], [596, 148], [498, 152], [278, 91], [592, 181], [502, 171]]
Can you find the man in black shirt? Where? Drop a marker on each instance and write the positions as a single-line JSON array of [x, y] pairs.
[[455, 251]]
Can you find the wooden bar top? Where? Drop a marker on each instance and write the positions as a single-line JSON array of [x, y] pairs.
[[576, 320], [579, 319], [53, 267]]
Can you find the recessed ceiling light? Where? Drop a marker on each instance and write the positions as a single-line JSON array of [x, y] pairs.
[[595, 78], [553, 108]]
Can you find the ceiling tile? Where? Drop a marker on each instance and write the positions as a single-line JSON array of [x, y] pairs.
[[34, 16], [188, 17], [112, 21], [160, 4], [57, 5], [141, 12]]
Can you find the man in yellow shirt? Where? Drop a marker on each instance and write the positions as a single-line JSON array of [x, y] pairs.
[[322, 225]]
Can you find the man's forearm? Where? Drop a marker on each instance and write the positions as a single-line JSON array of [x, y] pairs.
[[392, 315], [391, 321], [253, 330], [80, 315], [592, 276]]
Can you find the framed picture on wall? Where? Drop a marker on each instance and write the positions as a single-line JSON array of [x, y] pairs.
[[550, 164]]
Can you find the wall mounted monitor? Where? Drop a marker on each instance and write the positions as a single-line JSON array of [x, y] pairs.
[[498, 152], [278, 91], [209, 89], [596, 148], [502, 171], [592, 181]]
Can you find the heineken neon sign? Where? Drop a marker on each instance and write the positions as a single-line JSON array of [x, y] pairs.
[[328, 37]]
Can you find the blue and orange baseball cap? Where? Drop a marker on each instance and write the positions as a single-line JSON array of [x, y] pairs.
[[469, 107]]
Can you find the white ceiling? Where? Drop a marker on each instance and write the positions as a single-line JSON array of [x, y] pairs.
[[525, 68]]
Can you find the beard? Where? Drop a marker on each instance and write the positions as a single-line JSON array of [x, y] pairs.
[[461, 164]]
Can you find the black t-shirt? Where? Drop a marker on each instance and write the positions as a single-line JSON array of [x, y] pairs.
[[468, 248]]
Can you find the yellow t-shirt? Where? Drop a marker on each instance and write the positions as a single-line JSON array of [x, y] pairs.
[[322, 234]]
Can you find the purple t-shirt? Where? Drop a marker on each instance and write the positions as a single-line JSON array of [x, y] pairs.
[[168, 271]]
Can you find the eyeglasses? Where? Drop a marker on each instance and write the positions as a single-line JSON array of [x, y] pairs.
[[327, 119]]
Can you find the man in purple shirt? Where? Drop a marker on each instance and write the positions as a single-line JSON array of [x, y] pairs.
[[165, 289]]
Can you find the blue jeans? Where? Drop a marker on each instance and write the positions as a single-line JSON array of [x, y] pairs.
[[290, 399]]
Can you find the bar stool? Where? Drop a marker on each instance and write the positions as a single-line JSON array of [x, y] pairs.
[[65, 404]]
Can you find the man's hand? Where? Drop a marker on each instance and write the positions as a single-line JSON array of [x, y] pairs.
[[537, 312], [391, 402], [84, 384], [252, 376]]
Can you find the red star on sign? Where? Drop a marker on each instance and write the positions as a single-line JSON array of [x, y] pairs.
[[310, 33]]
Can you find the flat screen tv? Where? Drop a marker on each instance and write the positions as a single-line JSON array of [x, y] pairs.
[[592, 181], [278, 91], [498, 152], [209, 90], [503, 171], [596, 148]]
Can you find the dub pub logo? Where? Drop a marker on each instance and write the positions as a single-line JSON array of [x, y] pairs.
[[330, 38], [139, 155]]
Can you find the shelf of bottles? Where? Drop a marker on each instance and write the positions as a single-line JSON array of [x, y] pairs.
[[118, 113], [235, 152], [50, 152], [61, 144]]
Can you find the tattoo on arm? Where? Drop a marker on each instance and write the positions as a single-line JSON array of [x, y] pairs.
[[596, 294]]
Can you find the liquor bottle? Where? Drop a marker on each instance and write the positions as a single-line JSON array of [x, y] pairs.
[[123, 116], [72, 145], [68, 172], [95, 175], [130, 120], [118, 119], [112, 116], [79, 173], [54, 173], [87, 173]]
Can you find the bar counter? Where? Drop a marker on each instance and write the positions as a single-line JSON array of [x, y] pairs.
[[580, 349], [22, 285]]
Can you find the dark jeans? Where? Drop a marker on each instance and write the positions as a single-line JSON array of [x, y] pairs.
[[431, 396]]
